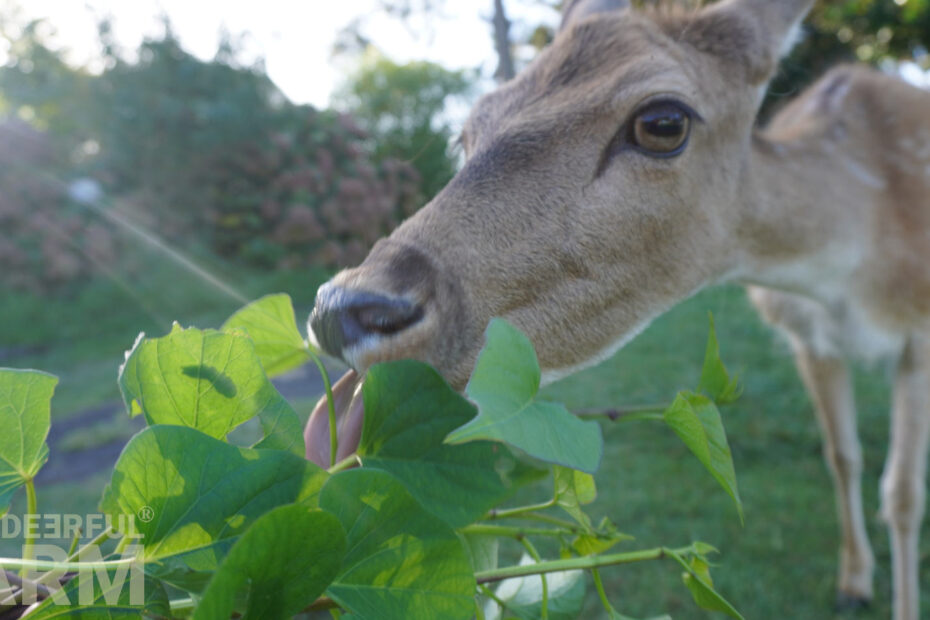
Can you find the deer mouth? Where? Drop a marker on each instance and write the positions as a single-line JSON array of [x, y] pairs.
[[350, 415]]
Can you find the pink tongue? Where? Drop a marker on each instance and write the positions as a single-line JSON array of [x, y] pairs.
[[350, 412]]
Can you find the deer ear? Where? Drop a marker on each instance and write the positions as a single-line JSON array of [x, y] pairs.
[[756, 32], [574, 10]]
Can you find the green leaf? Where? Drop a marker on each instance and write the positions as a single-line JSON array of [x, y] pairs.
[[697, 579], [523, 595], [116, 599], [409, 409], [482, 551], [402, 562], [208, 380], [715, 380], [25, 417], [504, 386], [696, 420], [271, 325], [279, 566], [603, 538], [192, 495], [572, 489]]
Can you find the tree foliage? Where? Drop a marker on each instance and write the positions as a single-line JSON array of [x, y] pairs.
[[198, 151], [403, 106], [871, 31]]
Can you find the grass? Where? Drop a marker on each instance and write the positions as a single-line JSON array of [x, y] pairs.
[[81, 337], [782, 563]]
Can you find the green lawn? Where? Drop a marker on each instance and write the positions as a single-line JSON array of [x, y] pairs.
[[81, 338], [781, 564]]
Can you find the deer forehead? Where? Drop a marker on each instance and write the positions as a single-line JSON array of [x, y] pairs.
[[599, 70]]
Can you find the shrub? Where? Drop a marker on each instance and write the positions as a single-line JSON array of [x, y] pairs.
[[308, 195], [48, 240], [409, 526]]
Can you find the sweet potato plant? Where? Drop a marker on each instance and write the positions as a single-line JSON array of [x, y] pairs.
[[407, 527]]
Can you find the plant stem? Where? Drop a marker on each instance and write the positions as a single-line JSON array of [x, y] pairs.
[[31, 509], [518, 512], [568, 525], [344, 464], [626, 414], [544, 609], [76, 555], [331, 407], [534, 516], [583, 563], [181, 604], [47, 565], [599, 585], [517, 532], [74, 543]]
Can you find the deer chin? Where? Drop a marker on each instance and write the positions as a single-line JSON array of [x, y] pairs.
[[350, 414]]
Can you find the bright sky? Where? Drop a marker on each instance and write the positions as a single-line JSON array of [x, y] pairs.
[[295, 37]]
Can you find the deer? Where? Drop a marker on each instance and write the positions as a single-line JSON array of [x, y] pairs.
[[622, 171]]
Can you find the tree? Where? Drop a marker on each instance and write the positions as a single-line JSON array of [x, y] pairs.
[[402, 107], [871, 31]]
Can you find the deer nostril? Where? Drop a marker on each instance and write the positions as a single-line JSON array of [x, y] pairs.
[[388, 318], [344, 317]]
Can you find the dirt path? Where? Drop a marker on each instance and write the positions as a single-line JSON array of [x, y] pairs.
[[66, 464]]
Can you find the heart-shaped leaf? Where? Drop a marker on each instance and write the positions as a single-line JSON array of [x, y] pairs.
[[696, 420], [279, 566], [271, 325], [192, 495], [409, 409], [208, 380], [402, 562], [25, 417], [123, 595], [504, 385]]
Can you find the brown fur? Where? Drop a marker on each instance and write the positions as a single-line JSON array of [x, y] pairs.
[[580, 243]]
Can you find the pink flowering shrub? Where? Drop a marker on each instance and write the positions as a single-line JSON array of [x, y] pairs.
[[47, 241], [309, 195]]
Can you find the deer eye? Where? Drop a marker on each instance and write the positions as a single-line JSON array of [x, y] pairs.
[[661, 129]]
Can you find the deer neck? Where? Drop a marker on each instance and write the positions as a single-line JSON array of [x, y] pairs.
[[802, 215]]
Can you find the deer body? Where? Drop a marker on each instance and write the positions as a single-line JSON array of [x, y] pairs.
[[620, 173]]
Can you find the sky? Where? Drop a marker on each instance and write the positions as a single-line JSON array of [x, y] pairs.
[[295, 37]]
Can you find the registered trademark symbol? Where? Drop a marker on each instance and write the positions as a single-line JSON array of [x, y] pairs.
[[146, 514]]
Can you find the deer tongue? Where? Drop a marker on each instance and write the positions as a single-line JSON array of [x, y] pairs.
[[350, 412]]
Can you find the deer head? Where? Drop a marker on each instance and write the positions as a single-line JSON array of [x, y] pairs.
[[601, 186]]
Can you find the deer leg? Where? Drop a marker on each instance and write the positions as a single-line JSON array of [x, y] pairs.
[[902, 485], [828, 381]]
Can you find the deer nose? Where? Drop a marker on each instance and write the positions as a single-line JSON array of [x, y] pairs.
[[345, 317]]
